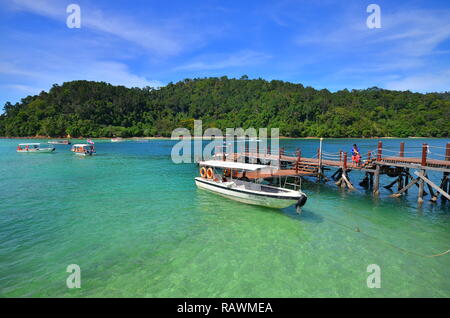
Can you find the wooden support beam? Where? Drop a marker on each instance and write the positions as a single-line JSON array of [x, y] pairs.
[[400, 182], [298, 160], [390, 185], [279, 158], [365, 182], [415, 166], [344, 165], [376, 184], [428, 181], [406, 178], [319, 158], [336, 173], [420, 196], [433, 196], [347, 181], [405, 189], [445, 184], [417, 184], [448, 187]]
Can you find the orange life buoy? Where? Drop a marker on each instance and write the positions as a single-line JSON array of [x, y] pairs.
[[203, 172], [209, 173]]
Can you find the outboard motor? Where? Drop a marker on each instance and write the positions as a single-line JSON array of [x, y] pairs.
[[301, 202]]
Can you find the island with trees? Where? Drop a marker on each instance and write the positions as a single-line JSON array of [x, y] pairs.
[[98, 109]]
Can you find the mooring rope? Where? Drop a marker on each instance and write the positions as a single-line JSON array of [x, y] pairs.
[[357, 229], [438, 254], [445, 148]]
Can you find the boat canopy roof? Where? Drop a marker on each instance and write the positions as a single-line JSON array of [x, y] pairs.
[[81, 145], [30, 144], [233, 165]]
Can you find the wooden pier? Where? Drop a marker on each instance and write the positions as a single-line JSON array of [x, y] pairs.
[[406, 169]]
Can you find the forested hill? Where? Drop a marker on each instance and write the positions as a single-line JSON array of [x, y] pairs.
[[98, 109]]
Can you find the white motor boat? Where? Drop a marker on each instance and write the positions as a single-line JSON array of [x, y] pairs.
[[233, 184], [34, 148], [116, 139], [83, 149]]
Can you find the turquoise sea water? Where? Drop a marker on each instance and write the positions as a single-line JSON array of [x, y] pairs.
[[137, 226]]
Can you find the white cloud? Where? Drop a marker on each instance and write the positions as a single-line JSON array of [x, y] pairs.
[[158, 38], [29, 90], [8, 68], [406, 53], [108, 71], [437, 82], [416, 33], [221, 61], [406, 32], [114, 73]]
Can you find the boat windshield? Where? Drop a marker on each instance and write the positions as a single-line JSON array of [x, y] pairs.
[[258, 187]]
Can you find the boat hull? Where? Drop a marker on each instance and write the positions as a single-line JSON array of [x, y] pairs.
[[83, 154], [44, 150], [246, 197]]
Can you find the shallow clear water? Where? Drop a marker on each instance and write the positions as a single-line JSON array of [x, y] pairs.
[[137, 226]]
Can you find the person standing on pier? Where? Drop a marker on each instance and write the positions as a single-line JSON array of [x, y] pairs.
[[356, 156]]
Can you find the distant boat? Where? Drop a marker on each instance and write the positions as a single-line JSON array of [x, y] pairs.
[[34, 148], [59, 142], [83, 149], [116, 139]]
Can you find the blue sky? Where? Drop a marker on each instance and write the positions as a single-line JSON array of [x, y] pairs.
[[323, 44]]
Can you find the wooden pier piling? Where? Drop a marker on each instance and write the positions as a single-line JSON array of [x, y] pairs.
[[380, 149], [376, 184], [402, 149], [420, 196], [424, 155]]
